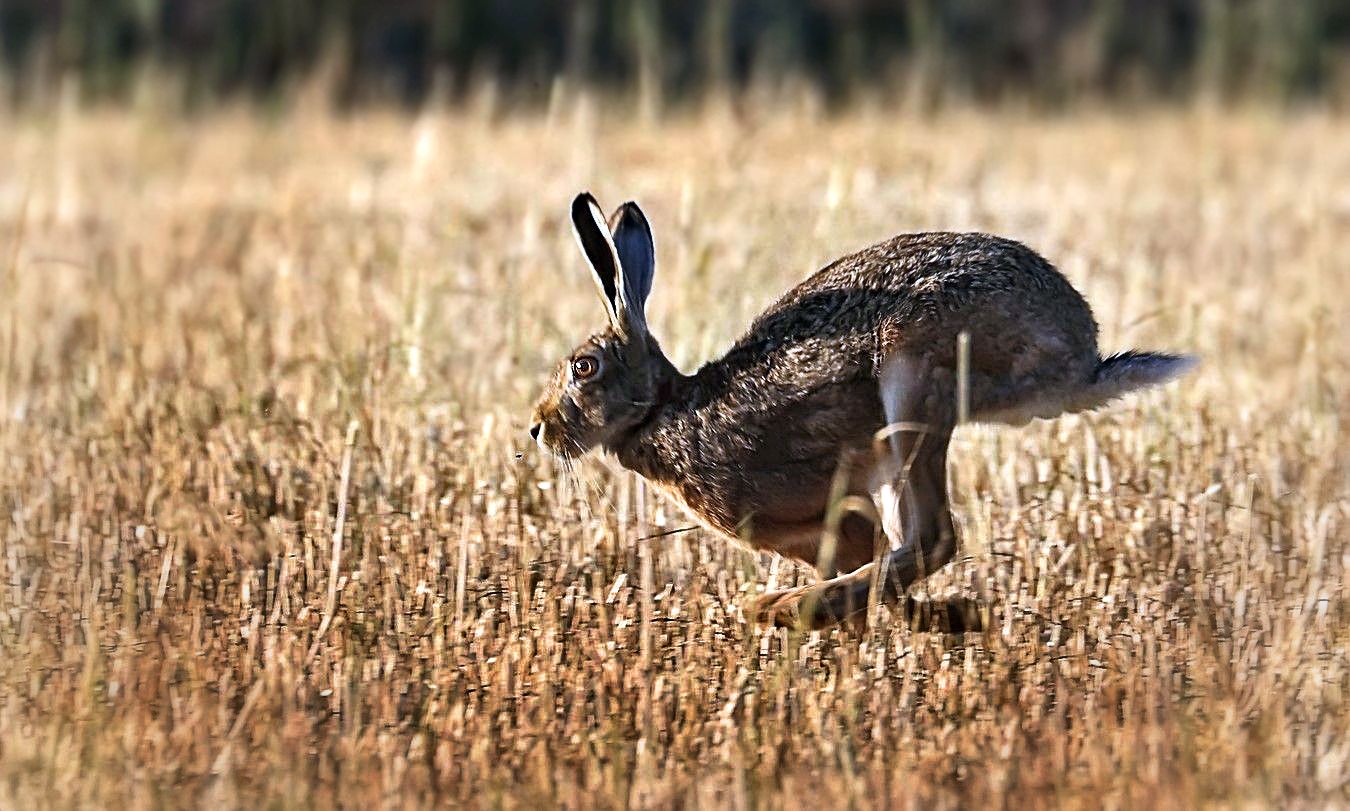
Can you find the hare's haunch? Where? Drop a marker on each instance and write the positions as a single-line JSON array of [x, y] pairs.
[[853, 370]]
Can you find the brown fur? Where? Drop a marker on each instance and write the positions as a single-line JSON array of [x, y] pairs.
[[751, 442]]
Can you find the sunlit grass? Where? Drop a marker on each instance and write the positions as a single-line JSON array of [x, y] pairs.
[[233, 347]]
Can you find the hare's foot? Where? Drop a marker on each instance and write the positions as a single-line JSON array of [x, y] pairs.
[[766, 609], [821, 605], [816, 606]]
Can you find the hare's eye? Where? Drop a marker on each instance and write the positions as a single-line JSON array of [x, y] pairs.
[[585, 367]]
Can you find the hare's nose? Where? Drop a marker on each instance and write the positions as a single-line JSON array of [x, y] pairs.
[[534, 431]]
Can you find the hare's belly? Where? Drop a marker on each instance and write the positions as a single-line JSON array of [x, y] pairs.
[[764, 474]]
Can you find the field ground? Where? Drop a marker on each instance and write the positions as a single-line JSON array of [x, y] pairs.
[[273, 536]]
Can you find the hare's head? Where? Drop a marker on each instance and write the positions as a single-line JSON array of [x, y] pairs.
[[611, 382]]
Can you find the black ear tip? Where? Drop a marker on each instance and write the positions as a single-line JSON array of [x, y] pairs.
[[582, 202], [628, 215]]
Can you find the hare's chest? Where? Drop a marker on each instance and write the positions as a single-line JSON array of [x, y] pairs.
[[703, 501]]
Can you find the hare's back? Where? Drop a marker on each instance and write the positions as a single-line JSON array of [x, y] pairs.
[[933, 269], [918, 291]]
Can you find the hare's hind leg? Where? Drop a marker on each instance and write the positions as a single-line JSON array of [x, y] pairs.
[[910, 478], [911, 493], [910, 490]]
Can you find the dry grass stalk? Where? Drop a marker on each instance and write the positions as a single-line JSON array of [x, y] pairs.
[[272, 534]]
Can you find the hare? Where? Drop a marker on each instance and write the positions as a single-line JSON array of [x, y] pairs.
[[845, 387]]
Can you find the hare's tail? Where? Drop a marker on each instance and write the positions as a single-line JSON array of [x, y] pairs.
[[1112, 377], [1124, 372]]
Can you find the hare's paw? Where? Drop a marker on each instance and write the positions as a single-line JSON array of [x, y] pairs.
[[806, 606], [765, 609]]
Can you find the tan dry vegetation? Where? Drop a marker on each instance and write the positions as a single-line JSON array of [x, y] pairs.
[[197, 317]]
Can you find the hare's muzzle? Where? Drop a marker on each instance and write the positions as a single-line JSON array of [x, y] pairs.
[[537, 434]]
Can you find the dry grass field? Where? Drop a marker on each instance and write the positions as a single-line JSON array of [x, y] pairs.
[[273, 534]]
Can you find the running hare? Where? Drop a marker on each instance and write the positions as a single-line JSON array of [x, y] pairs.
[[862, 355]]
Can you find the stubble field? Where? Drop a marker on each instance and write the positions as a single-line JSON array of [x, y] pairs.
[[273, 534]]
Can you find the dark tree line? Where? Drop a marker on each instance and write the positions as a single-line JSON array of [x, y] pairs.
[[1050, 51]]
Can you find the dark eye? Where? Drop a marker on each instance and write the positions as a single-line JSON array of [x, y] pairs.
[[585, 367]]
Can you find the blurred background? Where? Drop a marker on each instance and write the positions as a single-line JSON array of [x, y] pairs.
[[1049, 52]]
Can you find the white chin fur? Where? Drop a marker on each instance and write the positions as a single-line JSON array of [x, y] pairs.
[[543, 429]]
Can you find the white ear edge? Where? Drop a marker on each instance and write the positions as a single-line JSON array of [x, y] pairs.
[[602, 228]]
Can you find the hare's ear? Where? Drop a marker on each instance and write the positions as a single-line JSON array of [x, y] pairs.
[[637, 260], [588, 226]]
